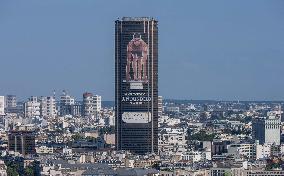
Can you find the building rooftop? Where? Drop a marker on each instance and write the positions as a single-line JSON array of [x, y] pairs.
[[137, 18]]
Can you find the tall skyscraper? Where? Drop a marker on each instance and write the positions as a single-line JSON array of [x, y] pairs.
[[136, 84]]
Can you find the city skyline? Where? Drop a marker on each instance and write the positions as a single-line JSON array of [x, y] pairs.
[[222, 51], [141, 88]]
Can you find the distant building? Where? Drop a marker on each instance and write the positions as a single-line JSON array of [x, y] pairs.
[[68, 106], [261, 172], [22, 142], [44, 149], [32, 107], [160, 106], [66, 99], [88, 104], [267, 130], [2, 105], [242, 150], [91, 104], [48, 107], [172, 141], [218, 147], [74, 110], [11, 104], [11, 101], [97, 103], [263, 151], [172, 109]]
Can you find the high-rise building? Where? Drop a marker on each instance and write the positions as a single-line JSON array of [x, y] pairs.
[[48, 106], [91, 104], [32, 107], [136, 84], [2, 105], [267, 130], [67, 105], [11, 101], [97, 103], [66, 99], [88, 104]]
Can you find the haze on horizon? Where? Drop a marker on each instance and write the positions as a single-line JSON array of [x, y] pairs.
[[220, 50]]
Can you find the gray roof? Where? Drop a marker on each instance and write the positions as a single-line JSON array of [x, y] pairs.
[[99, 172], [135, 172]]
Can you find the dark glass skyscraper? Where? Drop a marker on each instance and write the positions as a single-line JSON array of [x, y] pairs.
[[136, 84]]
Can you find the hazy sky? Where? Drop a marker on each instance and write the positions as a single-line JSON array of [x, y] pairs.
[[218, 50]]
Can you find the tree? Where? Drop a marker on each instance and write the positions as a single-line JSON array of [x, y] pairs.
[[29, 171], [11, 171], [202, 136], [227, 173]]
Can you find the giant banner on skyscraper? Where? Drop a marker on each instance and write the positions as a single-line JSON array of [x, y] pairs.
[[136, 69], [137, 55], [137, 78]]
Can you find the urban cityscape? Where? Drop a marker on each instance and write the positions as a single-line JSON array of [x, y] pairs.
[[140, 132]]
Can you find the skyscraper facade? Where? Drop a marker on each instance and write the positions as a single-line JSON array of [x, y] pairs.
[[136, 84]]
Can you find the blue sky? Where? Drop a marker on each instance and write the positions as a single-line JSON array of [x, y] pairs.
[[222, 50]]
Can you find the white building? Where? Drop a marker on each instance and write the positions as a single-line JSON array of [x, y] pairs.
[[194, 156], [172, 140], [66, 99], [88, 104], [242, 150], [263, 151], [48, 107], [97, 103], [91, 104], [44, 149], [2, 105], [32, 107], [169, 121]]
